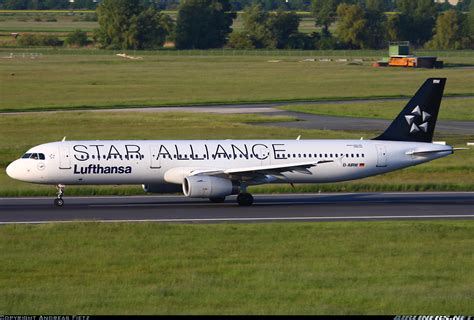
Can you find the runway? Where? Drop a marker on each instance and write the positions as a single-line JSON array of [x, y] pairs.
[[267, 208]]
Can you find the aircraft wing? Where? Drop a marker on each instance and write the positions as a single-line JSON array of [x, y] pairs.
[[262, 172]]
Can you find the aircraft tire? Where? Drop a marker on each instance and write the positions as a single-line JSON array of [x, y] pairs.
[[245, 199], [58, 202]]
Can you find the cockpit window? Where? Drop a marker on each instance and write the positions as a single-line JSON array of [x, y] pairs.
[[34, 156]]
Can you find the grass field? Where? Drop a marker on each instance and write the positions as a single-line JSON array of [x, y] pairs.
[[20, 132], [451, 109], [328, 268], [103, 80]]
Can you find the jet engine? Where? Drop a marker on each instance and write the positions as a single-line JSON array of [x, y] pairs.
[[161, 188], [208, 187]]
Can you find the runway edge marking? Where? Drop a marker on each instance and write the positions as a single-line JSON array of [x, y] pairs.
[[244, 219]]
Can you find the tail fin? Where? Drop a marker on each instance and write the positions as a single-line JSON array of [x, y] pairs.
[[417, 120]]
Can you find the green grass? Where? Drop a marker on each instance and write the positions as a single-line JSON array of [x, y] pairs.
[[20, 132], [328, 268], [451, 109], [77, 79]]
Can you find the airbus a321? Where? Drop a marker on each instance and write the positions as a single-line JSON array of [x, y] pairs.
[[215, 169]]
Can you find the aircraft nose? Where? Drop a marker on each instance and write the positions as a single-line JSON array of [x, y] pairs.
[[12, 170]]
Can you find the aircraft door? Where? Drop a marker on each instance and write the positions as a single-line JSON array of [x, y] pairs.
[[381, 155], [155, 160], [64, 158]]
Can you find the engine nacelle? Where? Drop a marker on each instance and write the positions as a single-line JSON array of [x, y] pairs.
[[161, 188], [208, 187]]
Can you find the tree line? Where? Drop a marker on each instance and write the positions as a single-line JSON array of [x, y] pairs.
[[236, 5], [342, 24], [361, 24]]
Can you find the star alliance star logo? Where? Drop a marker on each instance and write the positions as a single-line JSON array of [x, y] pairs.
[[415, 114]]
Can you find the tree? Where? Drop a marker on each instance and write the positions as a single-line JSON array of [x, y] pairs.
[[419, 19], [255, 21], [272, 30], [76, 38], [470, 20], [148, 30], [375, 33], [283, 26], [325, 13], [452, 31], [393, 27], [203, 24], [126, 24], [240, 40], [376, 5], [351, 25], [15, 4]]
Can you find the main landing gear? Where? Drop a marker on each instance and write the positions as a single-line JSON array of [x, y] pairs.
[[59, 202], [245, 199]]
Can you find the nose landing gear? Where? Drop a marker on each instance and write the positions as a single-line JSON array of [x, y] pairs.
[[59, 202]]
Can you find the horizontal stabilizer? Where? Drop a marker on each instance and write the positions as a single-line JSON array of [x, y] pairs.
[[414, 153]]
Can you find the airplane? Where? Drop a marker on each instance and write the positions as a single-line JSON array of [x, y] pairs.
[[215, 169]]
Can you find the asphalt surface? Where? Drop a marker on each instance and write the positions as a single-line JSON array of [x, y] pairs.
[[305, 121], [310, 121], [266, 208]]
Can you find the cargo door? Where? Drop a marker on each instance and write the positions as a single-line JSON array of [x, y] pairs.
[[381, 155]]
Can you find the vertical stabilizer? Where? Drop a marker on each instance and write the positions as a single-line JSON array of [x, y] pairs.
[[417, 120]]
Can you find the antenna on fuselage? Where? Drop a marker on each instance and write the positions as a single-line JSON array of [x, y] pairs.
[[297, 138], [64, 139]]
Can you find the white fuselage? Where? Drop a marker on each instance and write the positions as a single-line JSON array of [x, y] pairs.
[[169, 161]]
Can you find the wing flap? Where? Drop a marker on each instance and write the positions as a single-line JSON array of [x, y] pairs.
[[277, 169]]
